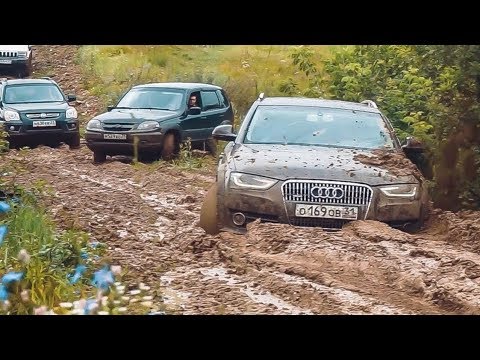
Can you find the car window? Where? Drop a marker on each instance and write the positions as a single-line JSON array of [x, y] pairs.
[[210, 100], [32, 93], [223, 98], [308, 125], [153, 98]]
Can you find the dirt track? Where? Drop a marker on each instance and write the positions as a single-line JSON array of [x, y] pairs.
[[147, 215]]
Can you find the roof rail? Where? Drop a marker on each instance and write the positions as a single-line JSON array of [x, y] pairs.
[[3, 79], [261, 96], [46, 78], [369, 103]]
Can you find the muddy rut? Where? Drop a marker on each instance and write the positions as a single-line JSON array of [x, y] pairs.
[[147, 216]]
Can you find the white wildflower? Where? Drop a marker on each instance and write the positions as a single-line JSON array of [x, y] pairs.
[[144, 287], [125, 298], [121, 288], [66, 305], [104, 301], [147, 298], [116, 270], [80, 304], [133, 301], [147, 303], [135, 292], [25, 295], [122, 309], [117, 283], [103, 313], [42, 310], [23, 256]]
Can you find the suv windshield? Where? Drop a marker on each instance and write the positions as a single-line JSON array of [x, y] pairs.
[[308, 125], [153, 98], [32, 93]]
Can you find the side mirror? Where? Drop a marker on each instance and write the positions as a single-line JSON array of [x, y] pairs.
[[71, 98], [194, 110], [413, 146], [224, 132], [110, 107]]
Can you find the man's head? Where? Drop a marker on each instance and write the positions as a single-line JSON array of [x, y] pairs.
[[193, 101]]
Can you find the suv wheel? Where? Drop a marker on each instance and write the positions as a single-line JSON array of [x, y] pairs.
[[211, 146], [74, 142], [99, 157], [169, 148], [208, 212]]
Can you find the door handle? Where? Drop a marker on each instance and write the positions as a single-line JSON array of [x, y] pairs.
[[203, 117]]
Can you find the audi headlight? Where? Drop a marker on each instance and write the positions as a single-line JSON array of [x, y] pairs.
[[148, 125], [400, 191], [93, 125], [10, 115], [71, 113], [246, 181]]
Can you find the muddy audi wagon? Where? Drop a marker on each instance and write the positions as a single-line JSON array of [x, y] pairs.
[[313, 162]]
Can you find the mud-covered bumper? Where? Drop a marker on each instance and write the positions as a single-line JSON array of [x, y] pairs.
[[270, 206], [145, 142], [19, 131]]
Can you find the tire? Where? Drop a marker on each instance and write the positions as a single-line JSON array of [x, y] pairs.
[[74, 142], [99, 157], [211, 146], [170, 147], [208, 212], [418, 225]]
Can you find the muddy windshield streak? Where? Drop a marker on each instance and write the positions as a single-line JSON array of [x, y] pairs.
[[307, 125], [22, 94], [153, 98]]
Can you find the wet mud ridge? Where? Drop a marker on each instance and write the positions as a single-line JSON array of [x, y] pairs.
[[147, 216]]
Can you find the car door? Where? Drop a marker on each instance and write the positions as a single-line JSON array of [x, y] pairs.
[[212, 113], [192, 125]]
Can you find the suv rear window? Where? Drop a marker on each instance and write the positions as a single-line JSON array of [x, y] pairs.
[[309, 125], [32, 93]]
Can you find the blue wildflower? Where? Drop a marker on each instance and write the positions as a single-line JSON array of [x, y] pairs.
[[79, 270], [11, 277], [90, 305], [3, 232], [94, 244], [3, 293], [4, 207], [102, 279], [84, 255]]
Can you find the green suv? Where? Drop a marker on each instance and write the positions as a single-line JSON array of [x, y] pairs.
[[156, 118], [37, 111]]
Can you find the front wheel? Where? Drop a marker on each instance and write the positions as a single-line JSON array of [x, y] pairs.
[[74, 142], [169, 148], [99, 157], [208, 212]]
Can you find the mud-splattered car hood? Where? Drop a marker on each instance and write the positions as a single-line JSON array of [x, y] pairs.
[[326, 163]]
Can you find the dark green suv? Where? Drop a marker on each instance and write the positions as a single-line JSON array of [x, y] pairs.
[[36, 111], [157, 118]]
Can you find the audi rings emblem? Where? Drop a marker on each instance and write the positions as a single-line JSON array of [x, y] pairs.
[[326, 192]]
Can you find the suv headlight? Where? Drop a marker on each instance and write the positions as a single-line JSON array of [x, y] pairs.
[[246, 181], [94, 124], [10, 115], [400, 191], [22, 54], [71, 113], [148, 125]]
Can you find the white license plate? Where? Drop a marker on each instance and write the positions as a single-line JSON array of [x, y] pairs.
[[326, 211], [115, 136], [2, 61], [44, 123]]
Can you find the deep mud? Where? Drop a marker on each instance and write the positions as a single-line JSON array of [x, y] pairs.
[[148, 215], [396, 163]]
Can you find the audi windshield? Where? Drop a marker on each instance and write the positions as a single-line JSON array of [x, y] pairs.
[[321, 126]]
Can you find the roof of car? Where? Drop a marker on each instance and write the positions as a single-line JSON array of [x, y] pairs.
[[303, 101], [28, 81], [181, 85]]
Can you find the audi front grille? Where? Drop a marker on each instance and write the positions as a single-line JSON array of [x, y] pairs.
[[325, 193]]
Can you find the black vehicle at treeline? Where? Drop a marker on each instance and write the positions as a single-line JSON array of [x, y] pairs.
[[156, 119]]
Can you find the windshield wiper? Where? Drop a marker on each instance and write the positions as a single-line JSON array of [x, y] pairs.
[[140, 108]]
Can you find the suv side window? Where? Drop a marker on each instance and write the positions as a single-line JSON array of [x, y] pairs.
[[223, 98], [210, 100]]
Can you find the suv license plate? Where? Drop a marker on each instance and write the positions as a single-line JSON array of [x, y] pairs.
[[115, 136], [326, 211], [2, 61], [44, 123]]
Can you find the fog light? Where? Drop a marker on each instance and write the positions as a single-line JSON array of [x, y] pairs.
[[12, 128], [238, 219]]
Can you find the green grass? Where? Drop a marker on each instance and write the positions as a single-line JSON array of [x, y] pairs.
[[243, 70]]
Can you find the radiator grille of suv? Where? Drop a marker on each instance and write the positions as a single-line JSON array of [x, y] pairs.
[[8, 54]]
